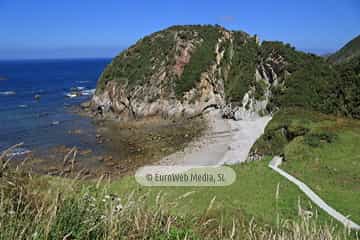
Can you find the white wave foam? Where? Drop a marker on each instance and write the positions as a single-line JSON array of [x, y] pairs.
[[88, 92], [82, 81], [71, 94], [78, 93], [7, 93], [18, 151]]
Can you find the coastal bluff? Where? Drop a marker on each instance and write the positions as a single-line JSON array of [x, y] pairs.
[[183, 70]]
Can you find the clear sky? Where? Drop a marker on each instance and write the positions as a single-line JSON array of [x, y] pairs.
[[102, 28]]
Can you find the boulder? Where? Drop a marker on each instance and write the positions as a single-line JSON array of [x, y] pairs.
[[85, 105]]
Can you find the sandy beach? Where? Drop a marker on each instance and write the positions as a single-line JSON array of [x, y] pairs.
[[225, 142], [244, 135]]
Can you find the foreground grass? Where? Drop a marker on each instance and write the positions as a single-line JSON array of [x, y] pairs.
[[321, 150], [83, 211]]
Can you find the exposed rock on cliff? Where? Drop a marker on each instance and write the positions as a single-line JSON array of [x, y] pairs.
[[183, 69], [179, 71], [165, 74]]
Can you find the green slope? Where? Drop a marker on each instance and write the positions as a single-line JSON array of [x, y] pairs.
[[322, 151], [346, 53]]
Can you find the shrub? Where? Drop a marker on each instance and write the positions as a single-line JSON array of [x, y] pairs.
[[201, 59], [315, 139], [242, 72]]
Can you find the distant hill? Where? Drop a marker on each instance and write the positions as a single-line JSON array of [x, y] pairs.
[[346, 53]]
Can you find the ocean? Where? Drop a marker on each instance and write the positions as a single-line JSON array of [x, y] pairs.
[[35, 101]]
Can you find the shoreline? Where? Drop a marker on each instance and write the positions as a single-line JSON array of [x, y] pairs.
[[223, 141], [115, 148]]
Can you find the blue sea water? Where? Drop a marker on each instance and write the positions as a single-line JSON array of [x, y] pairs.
[[46, 122]]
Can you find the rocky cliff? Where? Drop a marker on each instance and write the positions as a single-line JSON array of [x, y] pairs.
[[174, 72], [182, 70]]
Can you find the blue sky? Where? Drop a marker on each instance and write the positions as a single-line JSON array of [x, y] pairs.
[[94, 28]]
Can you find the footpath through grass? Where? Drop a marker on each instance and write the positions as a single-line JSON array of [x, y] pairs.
[[321, 150], [331, 169]]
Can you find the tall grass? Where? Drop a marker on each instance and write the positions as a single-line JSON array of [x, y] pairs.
[[33, 208]]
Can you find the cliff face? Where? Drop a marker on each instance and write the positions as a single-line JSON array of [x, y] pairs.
[[165, 74], [183, 69]]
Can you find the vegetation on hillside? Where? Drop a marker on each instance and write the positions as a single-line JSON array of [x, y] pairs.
[[200, 61], [243, 65], [310, 79], [135, 65], [349, 87], [314, 84], [346, 53]]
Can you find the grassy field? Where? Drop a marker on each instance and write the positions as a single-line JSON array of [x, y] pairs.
[[331, 169], [321, 150], [252, 195], [34, 207]]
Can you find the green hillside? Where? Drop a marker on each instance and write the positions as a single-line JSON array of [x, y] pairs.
[[304, 80], [346, 53]]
